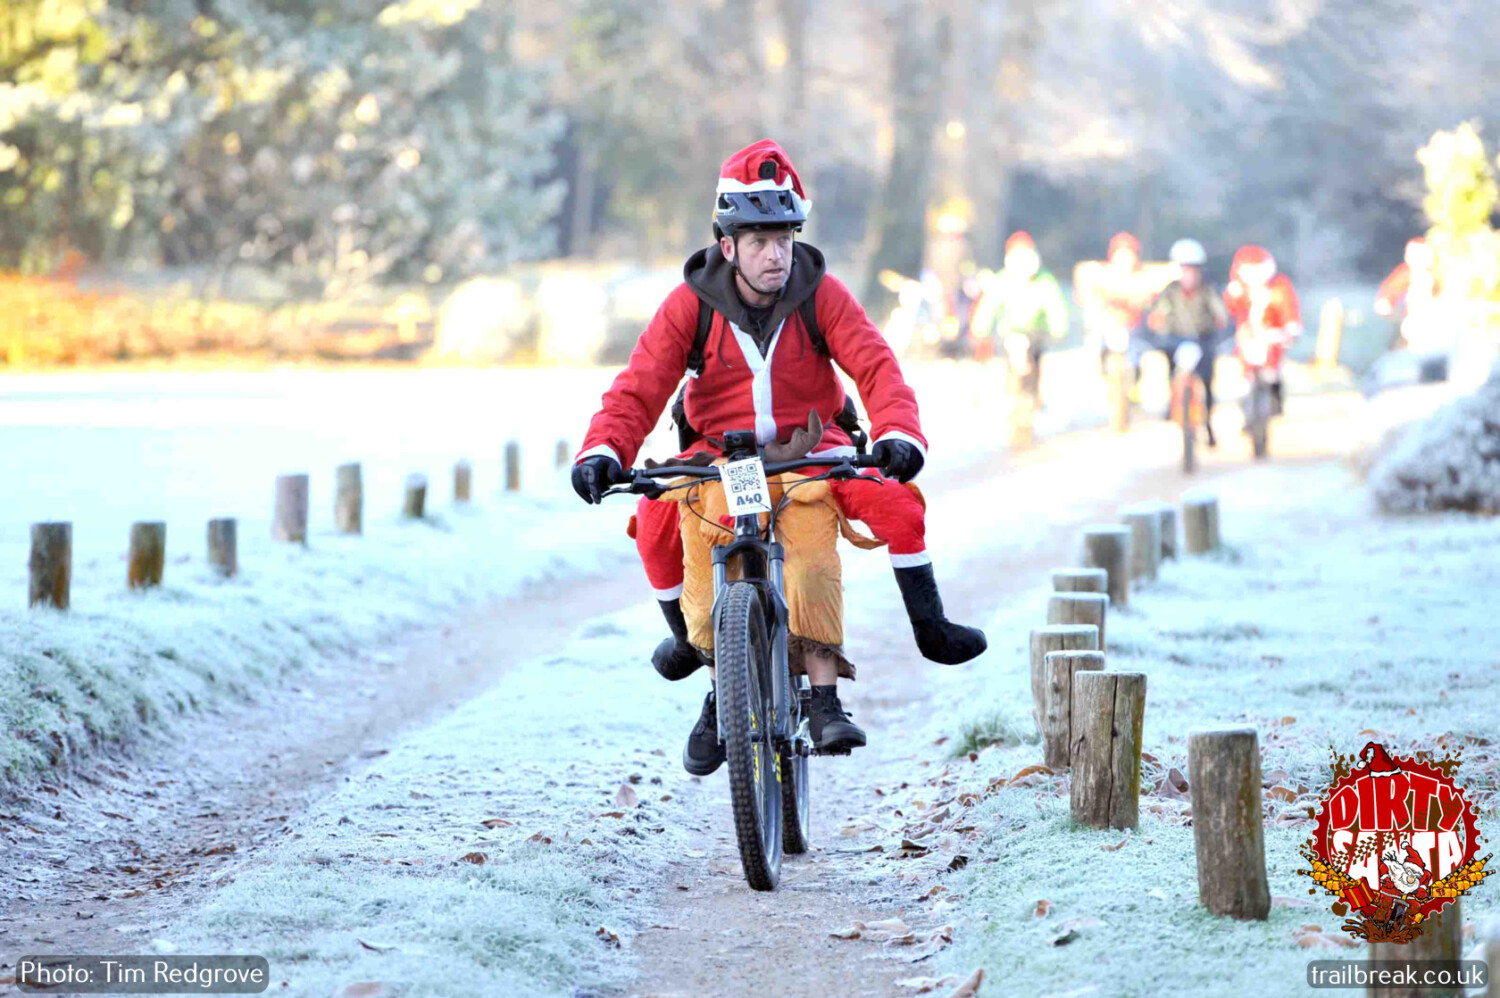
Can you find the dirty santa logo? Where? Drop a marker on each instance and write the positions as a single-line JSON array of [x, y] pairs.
[[1395, 843]]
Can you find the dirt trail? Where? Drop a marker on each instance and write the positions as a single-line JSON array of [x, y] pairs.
[[101, 859], [715, 935]]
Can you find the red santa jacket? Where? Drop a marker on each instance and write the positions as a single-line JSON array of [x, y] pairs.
[[739, 389], [1272, 306]]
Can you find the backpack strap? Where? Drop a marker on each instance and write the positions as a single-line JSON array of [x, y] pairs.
[[700, 339], [809, 312]]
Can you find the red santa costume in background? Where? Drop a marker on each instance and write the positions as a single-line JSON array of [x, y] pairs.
[[1264, 306], [1413, 287]]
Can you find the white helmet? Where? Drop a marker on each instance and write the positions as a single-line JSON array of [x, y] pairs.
[[1188, 252]]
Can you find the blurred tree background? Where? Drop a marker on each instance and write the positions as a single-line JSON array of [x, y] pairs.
[[338, 144]]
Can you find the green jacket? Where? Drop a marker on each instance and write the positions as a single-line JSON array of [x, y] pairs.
[[1034, 308]]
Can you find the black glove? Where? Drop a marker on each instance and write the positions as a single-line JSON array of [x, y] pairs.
[[898, 459], [594, 474]]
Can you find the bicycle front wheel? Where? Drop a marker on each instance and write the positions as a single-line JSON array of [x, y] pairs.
[[742, 652]]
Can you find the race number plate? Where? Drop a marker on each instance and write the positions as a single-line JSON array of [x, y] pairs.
[[745, 487]]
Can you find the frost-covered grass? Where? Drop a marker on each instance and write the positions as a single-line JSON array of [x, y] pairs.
[[120, 663], [1451, 460], [369, 885], [1324, 626]]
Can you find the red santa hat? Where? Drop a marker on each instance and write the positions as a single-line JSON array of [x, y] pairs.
[[1253, 265], [762, 166], [1124, 241], [1376, 760], [1019, 239]]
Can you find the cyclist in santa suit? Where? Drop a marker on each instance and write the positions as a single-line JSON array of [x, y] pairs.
[[763, 367]]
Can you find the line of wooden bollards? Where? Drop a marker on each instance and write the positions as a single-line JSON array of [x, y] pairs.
[[1091, 718], [51, 562], [1091, 721]]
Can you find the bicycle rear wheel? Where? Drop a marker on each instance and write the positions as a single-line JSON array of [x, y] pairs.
[[746, 699]]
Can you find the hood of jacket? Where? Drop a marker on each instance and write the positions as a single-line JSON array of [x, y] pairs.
[[712, 278]]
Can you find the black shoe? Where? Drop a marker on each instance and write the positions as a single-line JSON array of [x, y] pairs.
[[938, 638], [704, 753], [674, 658], [1212, 442], [1277, 401], [830, 727]]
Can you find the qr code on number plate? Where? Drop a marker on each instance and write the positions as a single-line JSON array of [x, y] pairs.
[[745, 484]]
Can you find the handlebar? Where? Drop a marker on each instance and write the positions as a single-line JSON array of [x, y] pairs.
[[643, 481]]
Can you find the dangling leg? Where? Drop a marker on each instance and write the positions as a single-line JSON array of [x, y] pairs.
[[895, 515], [659, 543]]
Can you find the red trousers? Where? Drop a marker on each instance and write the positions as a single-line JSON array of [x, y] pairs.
[[891, 511]]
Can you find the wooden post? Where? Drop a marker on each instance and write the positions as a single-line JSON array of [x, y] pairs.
[[349, 499], [415, 502], [1060, 667], [1330, 333], [1168, 514], [1055, 637], [148, 555], [1079, 608], [1080, 580], [51, 565], [223, 543], [290, 522], [1492, 957], [1145, 542], [1200, 522], [1228, 834], [1439, 942], [463, 479], [561, 454], [513, 467], [1108, 547], [1117, 370], [1108, 710]]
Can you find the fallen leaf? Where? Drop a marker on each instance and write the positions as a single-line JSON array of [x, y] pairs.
[[362, 989], [1282, 793], [223, 850], [626, 797], [958, 862], [889, 926], [941, 740], [1313, 937], [112, 814], [1036, 770], [922, 985], [376, 947], [1118, 845], [1043, 909], [477, 858], [858, 827], [852, 932], [414, 795], [970, 987], [607, 937], [540, 838], [496, 823]]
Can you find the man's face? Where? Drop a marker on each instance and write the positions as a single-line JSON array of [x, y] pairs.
[[1192, 276], [1023, 261], [1124, 259], [764, 258]]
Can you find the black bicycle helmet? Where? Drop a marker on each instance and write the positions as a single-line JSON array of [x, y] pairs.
[[750, 197]]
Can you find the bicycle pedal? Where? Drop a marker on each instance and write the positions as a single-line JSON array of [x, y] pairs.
[[832, 751]]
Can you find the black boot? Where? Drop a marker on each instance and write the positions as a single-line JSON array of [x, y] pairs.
[[938, 638], [1212, 442], [674, 658], [704, 753], [830, 727]]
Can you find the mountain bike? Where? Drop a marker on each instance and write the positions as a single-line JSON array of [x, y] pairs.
[[763, 714], [1188, 408], [1260, 356]]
